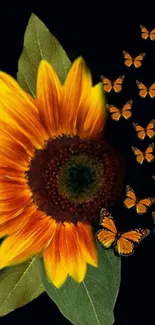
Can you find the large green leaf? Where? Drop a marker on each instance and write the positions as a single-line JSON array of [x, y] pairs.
[[18, 286], [40, 44], [93, 300]]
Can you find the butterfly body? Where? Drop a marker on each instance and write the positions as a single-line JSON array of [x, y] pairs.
[[147, 155], [145, 91], [119, 241], [123, 243], [116, 85], [141, 205], [142, 132], [136, 62], [117, 113], [145, 34]]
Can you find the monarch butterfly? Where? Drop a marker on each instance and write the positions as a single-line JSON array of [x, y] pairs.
[[137, 61], [146, 155], [116, 112], [141, 205], [123, 243], [143, 132], [144, 91], [145, 33], [116, 85]]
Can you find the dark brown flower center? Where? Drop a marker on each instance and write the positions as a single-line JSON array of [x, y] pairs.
[[80, 178], [71, 179]]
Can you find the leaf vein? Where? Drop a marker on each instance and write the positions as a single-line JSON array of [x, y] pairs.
[[40, 50], [19, 280], [91, 302]]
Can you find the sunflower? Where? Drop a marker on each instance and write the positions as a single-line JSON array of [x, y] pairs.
[[56, 171]]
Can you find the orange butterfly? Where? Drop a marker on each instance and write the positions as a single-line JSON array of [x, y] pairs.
[[145, 33], [143, 132], [144, 91], [141, 205], [147, 155], [124, 243], [116, 112], [116, 85], [137, 61]]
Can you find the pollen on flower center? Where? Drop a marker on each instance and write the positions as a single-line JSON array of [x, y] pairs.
[[70, 178]]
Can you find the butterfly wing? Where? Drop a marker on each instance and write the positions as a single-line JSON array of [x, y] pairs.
[[104, 216], [107, 235], [139, 155], [124, 247], [152, 35], [150, 130], [115, 112], [140, 131], [143, 205], [118, 84], [128, 240], [136, 235], [127, 59], [130, 200], [106, 84], [126, 110], [138, 60], [149, 153], [142, 89], [144, 32], [152, 90]]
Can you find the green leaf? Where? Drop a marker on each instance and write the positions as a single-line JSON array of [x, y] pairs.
[[40, 44], [18, 286], [93, 300]]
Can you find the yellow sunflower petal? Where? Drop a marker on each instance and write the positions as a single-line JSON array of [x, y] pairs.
[[13, 113], [18, 200], [12, 222], [63, 250], [8, 84], [6, 162], [82, 235], [16, 134], [92, 114], [28, 241], [8, 227], [76, 88], [55, 269], [87, 243], [7, 193], [49, 95], [15, 156], [19, 112], [10, 176], [15, 152], [77, 264], [7, 216]]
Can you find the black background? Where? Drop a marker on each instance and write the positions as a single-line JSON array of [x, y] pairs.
[[100, 34]]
